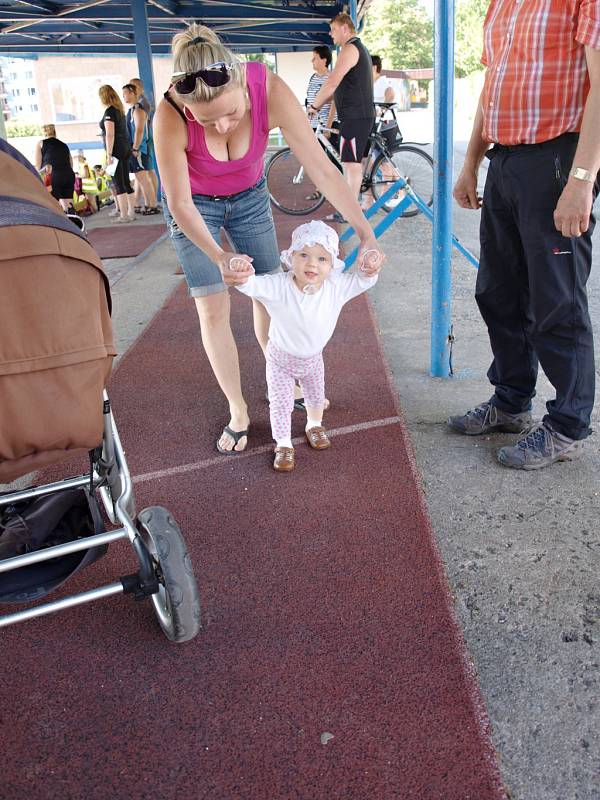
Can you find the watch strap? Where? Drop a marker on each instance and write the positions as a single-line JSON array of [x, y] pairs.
[[582, 174]]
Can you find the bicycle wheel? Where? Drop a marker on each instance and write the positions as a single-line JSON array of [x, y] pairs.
[[412, 164], [291, 190]]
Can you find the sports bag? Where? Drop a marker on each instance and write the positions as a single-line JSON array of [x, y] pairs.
[[391, 133]]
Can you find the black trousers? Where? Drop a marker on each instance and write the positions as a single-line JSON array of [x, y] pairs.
[[531, 285], [121, 180]]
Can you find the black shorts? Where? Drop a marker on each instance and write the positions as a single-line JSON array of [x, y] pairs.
[[134, 163], [334, 138], [354, 139], [63, 184]]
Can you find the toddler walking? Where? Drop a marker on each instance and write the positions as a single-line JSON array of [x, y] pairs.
[[304, 305]]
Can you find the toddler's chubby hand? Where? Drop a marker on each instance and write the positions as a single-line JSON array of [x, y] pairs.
[[236, 268]]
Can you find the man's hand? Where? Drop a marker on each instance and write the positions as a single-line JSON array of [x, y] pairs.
[[235, 277], [574, 207], [465, 190]]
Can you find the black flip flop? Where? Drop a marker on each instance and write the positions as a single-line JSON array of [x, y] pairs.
[[236, 436]]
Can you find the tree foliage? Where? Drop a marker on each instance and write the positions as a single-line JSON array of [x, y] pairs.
[[401, 32], [14, 129], [469, 36]]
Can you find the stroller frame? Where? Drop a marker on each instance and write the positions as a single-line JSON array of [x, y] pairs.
[[165, 573]]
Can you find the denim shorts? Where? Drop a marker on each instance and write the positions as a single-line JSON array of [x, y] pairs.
[[248, 221]]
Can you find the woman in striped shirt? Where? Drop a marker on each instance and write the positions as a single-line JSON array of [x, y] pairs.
[[321, 62]]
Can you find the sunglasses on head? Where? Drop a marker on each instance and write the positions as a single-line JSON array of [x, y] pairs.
[[214, 75]]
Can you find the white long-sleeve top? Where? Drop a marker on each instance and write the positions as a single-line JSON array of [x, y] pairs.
[[302, 324]]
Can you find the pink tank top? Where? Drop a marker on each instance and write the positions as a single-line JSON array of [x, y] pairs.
[[210, 176]]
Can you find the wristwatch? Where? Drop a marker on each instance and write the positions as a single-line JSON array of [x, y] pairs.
[[581, 174]]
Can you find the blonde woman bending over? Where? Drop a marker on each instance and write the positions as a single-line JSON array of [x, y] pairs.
[[211, 132]]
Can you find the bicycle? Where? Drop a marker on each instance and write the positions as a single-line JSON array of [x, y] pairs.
[[293, 192]]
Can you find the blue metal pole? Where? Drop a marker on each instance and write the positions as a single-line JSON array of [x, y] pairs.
[[144, 57], [441, 291], [352, 10], [142, 47]]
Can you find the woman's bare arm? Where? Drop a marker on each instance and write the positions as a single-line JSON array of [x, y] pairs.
[[109, 137]]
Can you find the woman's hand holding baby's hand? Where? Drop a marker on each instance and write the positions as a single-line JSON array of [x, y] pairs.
[[370, 261], [235, 268], [370, 258]]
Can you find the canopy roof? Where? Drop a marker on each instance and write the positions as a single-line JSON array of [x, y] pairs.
[[106, 26]]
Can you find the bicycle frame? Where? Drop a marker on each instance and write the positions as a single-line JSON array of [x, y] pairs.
[[374, 139], [374, 170], [320, 132]]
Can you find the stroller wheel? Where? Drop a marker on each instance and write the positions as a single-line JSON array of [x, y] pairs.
[[176, 604]]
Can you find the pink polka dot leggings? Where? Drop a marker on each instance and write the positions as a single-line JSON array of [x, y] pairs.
[[283, 370]]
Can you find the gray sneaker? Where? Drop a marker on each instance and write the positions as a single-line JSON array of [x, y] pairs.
[[488, 417], [540, 447]]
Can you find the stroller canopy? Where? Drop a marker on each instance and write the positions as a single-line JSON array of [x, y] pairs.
[[56, 345]]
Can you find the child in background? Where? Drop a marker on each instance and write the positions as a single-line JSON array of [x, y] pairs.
[[304, 305], [87, 191], [106, 190]]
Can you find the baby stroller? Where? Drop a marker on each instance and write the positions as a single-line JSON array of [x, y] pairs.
[[56, 354]]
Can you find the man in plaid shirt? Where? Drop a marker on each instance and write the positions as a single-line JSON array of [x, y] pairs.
[[540, 111]]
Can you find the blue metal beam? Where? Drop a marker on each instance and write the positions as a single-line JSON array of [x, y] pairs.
[[24, 50], [167, 6], [60, 27], [143, 48], [240, 42], [224, 9], [352, 11], [441, 288], [51, 8]]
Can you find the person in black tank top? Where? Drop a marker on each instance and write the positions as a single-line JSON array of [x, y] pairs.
[[351, 85], [54, 155]]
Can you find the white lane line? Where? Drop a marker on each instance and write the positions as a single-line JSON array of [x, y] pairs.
[[210, 462]]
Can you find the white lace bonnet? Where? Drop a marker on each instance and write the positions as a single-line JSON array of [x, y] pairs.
[[311, 233]]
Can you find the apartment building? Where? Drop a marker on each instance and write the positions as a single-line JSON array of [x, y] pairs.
[[4, 109], [19, 95]]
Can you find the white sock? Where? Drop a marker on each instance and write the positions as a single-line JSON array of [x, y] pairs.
[[284, 443], [313, 423]]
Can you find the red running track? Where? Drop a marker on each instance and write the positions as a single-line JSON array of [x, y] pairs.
[[330, 664]]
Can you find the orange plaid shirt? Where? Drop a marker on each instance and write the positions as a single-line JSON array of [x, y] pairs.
[[536, 81]]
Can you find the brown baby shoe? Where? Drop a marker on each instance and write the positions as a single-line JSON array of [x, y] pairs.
[[317, 438], [285, 459]]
